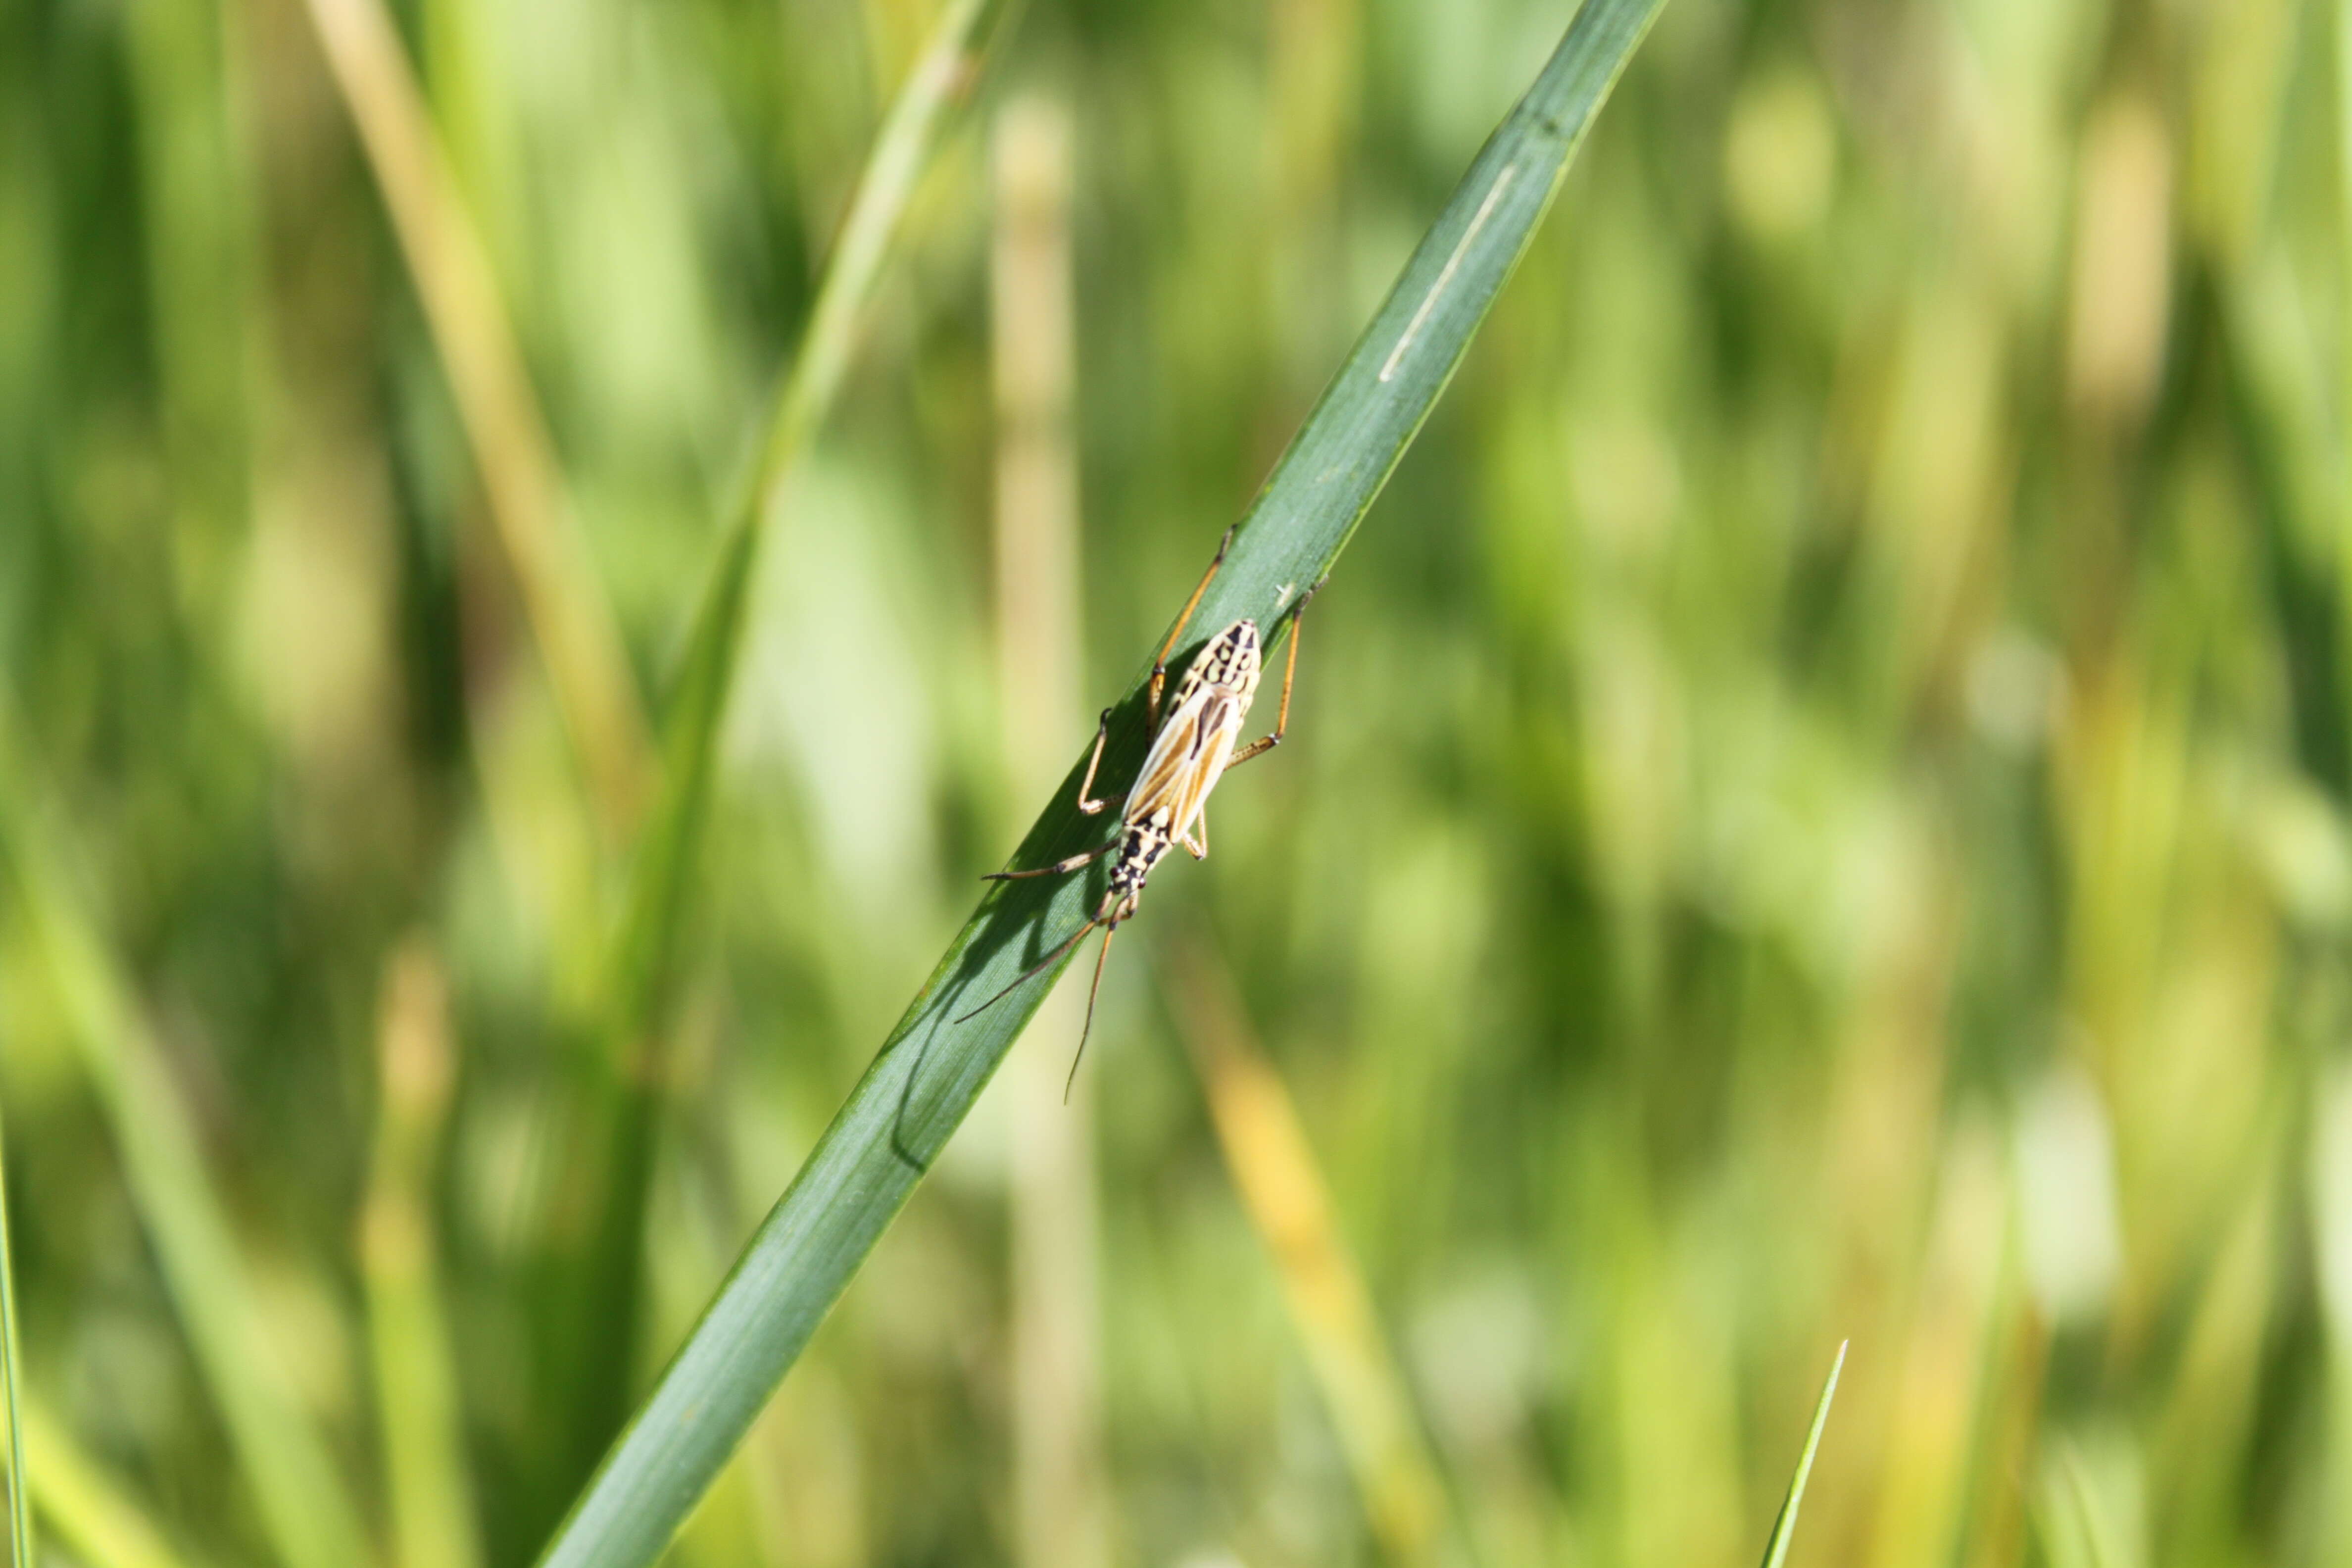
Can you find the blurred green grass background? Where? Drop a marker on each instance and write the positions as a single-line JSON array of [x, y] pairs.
[[1816, 807]]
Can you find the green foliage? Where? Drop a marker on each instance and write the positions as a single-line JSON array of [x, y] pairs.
[[306, 1509], [1821, 799]]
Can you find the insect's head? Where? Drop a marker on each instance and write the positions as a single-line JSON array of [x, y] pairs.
[[1119, 900], [1231, 657]]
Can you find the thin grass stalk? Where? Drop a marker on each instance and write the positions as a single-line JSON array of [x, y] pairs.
[[599, 1282], [2071, 1529], [2342, 510], [195, 190], [1282, 1189], [12, 1379], [1995, 1508], [2330, 1181], [936, 1060], [946, 71], [2274, 379], [531, 504], [88, 1510], [306, 1512], [1784, 1526], [2098, 1544], [417, 1405]]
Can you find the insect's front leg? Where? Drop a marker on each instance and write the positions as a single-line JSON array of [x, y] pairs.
[[1086, 785], [1197, 840], [1289, 673]]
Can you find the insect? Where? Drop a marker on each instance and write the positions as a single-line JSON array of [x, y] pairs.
[[1167, 805]]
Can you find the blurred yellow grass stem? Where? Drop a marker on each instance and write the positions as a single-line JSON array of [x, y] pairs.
[[1941, 1381], [86, 1507], [1282, 1188], [2122, 285], [1058, 1473], [432, 1504], [305, 1511], [537, 522]]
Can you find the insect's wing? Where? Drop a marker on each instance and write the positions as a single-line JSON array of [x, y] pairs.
[[1171, 754], [1185, 760], [1221, 729]]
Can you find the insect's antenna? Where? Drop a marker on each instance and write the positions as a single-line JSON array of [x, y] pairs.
[[1043, 964], [1092, 992], [1200, 588]]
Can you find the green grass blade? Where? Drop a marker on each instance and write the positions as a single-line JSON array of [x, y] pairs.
[[12, 1373], [932, 1068], [1776, 1551], [306, 1511]]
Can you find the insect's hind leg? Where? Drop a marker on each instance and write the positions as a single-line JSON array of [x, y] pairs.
[[1159, 665], [1265, 744], [1057, 869]]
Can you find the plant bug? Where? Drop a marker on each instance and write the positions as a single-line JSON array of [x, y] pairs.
[[1167, 804]]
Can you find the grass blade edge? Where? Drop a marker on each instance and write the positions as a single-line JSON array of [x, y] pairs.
[[1784, 1527], [12, 1377]]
